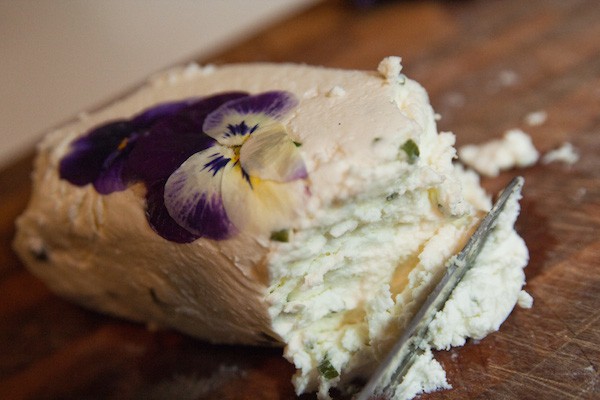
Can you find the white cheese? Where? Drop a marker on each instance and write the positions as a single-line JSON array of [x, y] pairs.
[[515, 149], [536, 118], [365, 247], [565, 154], [425, 376], [525, 300], [488, 292]]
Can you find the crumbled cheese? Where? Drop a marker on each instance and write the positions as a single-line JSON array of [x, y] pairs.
[[566, 154], [536, 118], [421, 377], [365, 250], [390, 68], [515, 149], [525, 300], [508, 77], [454, 100], [489, 291]]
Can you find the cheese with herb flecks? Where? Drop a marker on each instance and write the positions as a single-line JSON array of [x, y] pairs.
[[284, 204]]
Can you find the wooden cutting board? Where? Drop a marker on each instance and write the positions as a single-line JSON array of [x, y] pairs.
[[486, 65]]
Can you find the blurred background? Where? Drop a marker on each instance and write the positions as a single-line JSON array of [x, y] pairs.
[[59, 57]]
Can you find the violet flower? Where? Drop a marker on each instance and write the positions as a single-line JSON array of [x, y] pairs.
[[211, 166], [99, 157]]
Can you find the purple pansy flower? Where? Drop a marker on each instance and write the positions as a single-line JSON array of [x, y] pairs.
[[211, 166], [99, 157]]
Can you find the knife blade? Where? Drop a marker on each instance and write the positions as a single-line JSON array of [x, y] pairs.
[[404, 352]]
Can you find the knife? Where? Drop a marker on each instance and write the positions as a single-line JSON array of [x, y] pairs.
[[397, 363]]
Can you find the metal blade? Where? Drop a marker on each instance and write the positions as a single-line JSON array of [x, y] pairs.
[[403, 354]]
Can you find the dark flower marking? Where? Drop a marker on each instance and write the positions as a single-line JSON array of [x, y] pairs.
[[217, 163]]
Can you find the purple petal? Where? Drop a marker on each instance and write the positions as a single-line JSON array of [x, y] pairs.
[[172, 140], [151, 115], [204, 214], [193, 194], [150, 148], [207, 215], [197, 112], [89, 153], [159, 218], [272, 104], [110, 179], [168, 144], [99, 157]]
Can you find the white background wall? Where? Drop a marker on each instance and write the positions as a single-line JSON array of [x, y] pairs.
[[58, 57]]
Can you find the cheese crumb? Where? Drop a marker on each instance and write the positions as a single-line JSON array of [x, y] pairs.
[[508, 77], [426, 375], [524, 300], [515, 149], [191, 70], [390, 68], [454, 100], [566, 154], [536, 118]]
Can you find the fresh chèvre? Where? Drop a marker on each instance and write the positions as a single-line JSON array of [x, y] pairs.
[[383, 209], [514, 149]]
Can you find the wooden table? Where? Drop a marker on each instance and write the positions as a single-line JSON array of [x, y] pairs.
[[486, 65]]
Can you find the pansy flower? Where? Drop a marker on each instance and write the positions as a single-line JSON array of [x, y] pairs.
[[100, 156], [211, 166]]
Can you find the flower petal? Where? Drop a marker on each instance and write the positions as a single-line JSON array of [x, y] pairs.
[[89, 154], [160, 220], [173, 138], [256, 205], [162, 110], [110, 179], [234, 120], [272, 155], [193, 194], [168, 144]]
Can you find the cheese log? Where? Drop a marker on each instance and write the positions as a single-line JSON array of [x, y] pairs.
[[273, 204]]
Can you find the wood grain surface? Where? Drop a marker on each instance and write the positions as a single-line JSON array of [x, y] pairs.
[[486, 65]]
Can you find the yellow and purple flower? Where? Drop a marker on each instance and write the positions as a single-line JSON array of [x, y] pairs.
[[212, 166]]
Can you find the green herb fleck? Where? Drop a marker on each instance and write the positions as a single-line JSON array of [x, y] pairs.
[[377, 139], [281, 236], [411, 149], [297, 144], [327, 370]]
